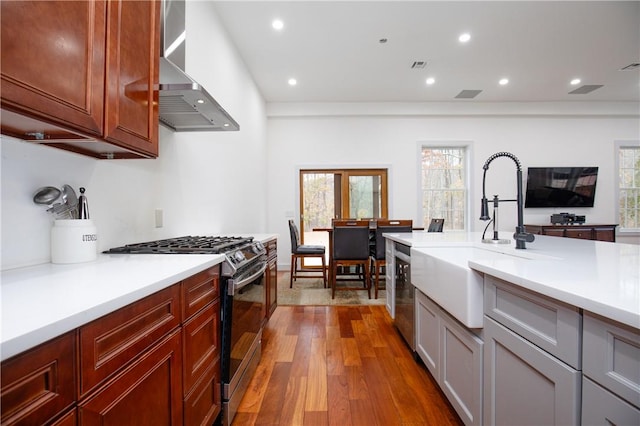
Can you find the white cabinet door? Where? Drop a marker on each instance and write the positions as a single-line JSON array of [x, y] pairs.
[[428, 332], [390, 277], [461, 370], [524, 385]]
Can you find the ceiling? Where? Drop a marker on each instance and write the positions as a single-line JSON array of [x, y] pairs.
[[333, 49]]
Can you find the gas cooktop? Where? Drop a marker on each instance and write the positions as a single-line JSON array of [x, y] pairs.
[[186, 245]]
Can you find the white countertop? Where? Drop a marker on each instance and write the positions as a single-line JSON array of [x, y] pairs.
[[44, 301], [600, 277]]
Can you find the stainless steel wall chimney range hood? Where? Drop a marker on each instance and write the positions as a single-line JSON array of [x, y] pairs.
[[184, 104]]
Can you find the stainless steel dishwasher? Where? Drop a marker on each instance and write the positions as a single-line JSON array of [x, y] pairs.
[[405, 295]]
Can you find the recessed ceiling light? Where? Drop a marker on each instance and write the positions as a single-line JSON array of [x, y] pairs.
[[200, 101], [503, 81], [277, 24], [293, 82], [575, 81], [431, 81], [464, 37]]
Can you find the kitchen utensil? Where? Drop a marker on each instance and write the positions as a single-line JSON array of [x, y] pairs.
[[46, 195], [83, 209], [70, 200]]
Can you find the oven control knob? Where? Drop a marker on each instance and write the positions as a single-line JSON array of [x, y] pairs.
[[258, 247], [239, 256]]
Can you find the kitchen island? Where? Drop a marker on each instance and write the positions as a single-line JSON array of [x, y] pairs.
[[546, 335]]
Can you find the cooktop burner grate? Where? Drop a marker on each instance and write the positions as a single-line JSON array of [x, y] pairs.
[[186, 245]]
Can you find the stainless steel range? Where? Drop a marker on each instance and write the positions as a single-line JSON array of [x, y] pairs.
[[243, 304]]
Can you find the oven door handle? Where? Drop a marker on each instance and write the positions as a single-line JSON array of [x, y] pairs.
[[235, 286]]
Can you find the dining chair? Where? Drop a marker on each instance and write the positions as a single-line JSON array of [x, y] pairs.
[[350, 248], [378, 252], [300, 252], [436, 225]]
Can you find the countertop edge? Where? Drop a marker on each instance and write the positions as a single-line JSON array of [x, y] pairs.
[[48, 330]]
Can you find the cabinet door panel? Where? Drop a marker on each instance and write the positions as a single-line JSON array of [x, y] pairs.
[[524, 385], [583, 233], [601, 407], [461, 370], [611, 356], [553, 326], [39, 384], [133, 45], [428, 333], [201, 343], [199, 290], [53, 63], [272, 287], [110, 342], [204, 403], [146, 393], [554, 232], [605, 234]]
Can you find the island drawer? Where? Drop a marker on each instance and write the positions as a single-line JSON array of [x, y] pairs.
[[547, 323], [611, 356]]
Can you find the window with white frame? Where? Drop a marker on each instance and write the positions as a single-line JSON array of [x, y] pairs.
[[629, 186], [444, 185]]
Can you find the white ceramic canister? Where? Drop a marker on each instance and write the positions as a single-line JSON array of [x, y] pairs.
[[74, 241]]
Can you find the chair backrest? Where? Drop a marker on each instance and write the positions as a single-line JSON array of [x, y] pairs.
[[295, 236], [436, 225], [387, 226], [350, 239]]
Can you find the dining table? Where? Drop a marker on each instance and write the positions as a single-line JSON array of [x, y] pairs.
[[372, 228]]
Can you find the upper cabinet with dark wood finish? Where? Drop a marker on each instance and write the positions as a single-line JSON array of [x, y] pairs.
[[82, 76]]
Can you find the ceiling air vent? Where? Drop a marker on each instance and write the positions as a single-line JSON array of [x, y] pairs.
[[587, 88], [419, 65], [630, 67], [468, 94]]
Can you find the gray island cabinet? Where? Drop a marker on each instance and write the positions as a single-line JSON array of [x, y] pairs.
[[531, 358], [558, 342]]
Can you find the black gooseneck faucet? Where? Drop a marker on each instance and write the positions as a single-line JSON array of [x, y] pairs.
[[520, 235]]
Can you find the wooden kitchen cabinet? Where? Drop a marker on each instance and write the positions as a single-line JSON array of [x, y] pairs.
[[87, 80], [39, 385], [154, 361], [148, 392], [581, 231], [113, 341], [271, 281], [201, 345]]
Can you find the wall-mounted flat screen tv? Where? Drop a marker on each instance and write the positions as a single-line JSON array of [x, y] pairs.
[[561, 186]]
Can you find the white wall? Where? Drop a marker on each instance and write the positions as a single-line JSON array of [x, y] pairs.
[[304, 135], [205, 182]]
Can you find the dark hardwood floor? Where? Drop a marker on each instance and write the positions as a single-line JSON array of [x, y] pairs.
[[339, 365]]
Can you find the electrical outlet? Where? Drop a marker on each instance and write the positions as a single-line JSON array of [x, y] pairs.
[[159, 218]]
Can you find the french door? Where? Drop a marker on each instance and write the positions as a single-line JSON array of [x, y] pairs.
[[339, 194]]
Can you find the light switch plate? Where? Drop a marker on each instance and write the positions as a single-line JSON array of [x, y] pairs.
[[159, 218]]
